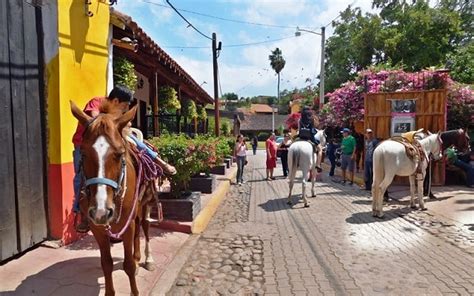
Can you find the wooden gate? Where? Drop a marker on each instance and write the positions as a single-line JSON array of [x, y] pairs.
[[430, 113], [22, 147]]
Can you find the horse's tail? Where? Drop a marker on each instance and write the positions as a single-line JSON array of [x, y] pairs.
[[293, 159], [378, 172]]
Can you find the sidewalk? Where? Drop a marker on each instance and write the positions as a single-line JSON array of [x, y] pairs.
[[75, 269]]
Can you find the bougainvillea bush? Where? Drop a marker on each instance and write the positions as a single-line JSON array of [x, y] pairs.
[[346, 104]]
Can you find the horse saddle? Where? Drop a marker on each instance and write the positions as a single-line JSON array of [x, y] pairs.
[[413, 150], [410, 136]]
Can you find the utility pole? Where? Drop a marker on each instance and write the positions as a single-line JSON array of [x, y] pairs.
[[323, 50], [216, 92], [321, 74]]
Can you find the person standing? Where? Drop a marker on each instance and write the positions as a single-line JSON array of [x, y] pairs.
[[254, 144], [240, 153], [271, 149], [370, 145], [285, 144], [331, 152], [359, 149], [348, 155]]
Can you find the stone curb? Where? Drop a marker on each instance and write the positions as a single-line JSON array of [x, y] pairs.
[[206, 214]]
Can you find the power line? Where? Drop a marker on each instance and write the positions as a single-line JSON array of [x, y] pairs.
[[222, 18], [189, 24], [233, 45]]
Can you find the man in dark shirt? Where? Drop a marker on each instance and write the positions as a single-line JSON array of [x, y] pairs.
[[370, 145]]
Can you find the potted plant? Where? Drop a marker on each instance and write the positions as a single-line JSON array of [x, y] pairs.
[[124, 73], [205, 155], [222, 150], [181, 203], [228, 159]]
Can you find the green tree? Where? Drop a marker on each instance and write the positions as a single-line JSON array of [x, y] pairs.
[[355, 45], [230, 97], [461, 64], [277, 62], [408, 34]]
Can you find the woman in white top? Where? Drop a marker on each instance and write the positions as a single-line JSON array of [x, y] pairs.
[[240, 153]]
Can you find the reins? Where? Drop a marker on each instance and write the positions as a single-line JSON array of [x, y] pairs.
[[147, 171]]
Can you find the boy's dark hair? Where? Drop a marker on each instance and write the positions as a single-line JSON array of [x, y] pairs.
[[121, 93], [307, 117]]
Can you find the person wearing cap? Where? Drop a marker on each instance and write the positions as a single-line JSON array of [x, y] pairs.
[[370, 144], [348, 145]]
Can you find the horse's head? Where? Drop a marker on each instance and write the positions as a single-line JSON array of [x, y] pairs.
[[103, 161], [434, 145], [463, 141]]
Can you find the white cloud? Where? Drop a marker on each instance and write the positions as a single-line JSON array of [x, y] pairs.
[[246, 70]]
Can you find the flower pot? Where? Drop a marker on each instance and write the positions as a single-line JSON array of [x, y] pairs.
[[203, 183], [228, 162], [219, 169], [185, 208]]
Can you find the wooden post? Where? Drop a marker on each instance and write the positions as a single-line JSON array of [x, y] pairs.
[[178, 113], [156, 127]]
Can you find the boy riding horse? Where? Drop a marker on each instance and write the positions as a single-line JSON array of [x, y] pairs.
[[119, 99], [307, 131]]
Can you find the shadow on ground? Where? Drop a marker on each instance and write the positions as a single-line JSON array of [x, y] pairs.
[[65, 273]]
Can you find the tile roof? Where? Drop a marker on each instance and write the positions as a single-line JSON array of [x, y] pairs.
[[261, 122], [164, 58]]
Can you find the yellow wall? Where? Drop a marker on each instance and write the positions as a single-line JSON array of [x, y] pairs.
[[78, 73]]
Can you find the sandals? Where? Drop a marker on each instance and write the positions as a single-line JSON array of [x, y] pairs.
[[319, 169]]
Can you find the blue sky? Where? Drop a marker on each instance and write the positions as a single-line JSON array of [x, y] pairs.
[[244, 70]]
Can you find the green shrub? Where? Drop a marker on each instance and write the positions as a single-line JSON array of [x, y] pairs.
[[205, 154], [179, 151], [263, 136], [225, 128]]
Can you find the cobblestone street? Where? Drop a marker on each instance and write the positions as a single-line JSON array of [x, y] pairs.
[[257, 244]]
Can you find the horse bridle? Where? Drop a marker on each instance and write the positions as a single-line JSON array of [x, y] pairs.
[[117, 186]]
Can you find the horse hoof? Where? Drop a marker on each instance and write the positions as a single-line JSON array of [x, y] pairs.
[[150, 266], [289, 203], [306, 205], [379, 217], [423, 209], [313, 195], [414, 207]]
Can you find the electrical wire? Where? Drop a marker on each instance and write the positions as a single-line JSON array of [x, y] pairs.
[[222, 18], [189, 24], [234, 45]]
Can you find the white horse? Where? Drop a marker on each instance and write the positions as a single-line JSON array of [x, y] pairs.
[[390, 160], [302, 157]]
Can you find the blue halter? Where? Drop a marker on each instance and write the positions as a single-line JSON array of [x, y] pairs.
[[117, 186]]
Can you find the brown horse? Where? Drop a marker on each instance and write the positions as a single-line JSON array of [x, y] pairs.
[[114, 203]]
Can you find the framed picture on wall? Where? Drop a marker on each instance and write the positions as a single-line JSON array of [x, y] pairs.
[[402, 124], [403, 106]]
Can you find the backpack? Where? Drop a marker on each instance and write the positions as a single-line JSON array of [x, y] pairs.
[[304, 132]]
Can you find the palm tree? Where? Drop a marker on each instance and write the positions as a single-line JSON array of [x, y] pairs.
[[278, 63]]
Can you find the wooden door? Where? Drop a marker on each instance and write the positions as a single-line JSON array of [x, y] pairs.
[[430, 114], [22, 147]]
